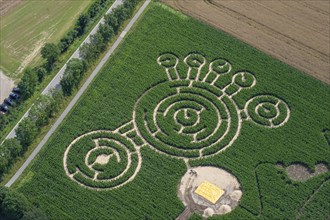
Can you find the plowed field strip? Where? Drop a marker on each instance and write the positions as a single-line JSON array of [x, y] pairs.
[[6, 5], [294, 32]]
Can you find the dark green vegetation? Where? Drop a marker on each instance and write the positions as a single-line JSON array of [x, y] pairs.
[[72, 76], [98, 43], [113, 21], [43, 109], [50, 52], [9, 150], [15, 206], [133, 70], [326, 133]]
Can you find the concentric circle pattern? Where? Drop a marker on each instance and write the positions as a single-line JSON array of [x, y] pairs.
[[101, 160], [268, 110], [186, 119], [244, 79], [195, 114]]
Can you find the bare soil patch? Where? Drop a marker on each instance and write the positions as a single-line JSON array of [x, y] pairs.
[[300, 172], [195, 203], [295, 32], [6, 5]]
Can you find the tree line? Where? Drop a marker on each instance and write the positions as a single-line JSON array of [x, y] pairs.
[[47, 105], [41, 111], [90, 52], [15, 206], [51, 53]]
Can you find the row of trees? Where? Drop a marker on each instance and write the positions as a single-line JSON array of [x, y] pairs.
[[51, 53], [42, 110], [98, 43], [113, 21], [45, 107], [82, 24], [73, 73], [15, 206]]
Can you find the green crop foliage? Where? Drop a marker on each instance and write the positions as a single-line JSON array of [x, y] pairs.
[[133, 80]]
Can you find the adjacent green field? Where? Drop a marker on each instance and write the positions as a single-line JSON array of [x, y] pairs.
[[25, 29], [284, 122]]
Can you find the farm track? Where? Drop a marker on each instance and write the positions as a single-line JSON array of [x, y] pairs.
[[296, 32], [310, 198]]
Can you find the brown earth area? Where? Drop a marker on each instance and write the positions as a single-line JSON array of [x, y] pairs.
[[6, 5], [295, 32], [300, 172]]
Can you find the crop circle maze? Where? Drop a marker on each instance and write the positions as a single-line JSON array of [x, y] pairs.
[[186, 116], [102, 160], [186, 121]]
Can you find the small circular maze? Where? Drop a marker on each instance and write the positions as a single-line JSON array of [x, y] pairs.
[[268, 110], [101, 160]]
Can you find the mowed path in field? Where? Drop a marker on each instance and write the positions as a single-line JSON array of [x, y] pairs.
[[295, 32]]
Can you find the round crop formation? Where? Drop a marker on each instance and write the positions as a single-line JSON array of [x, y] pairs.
[[268, 110], [101, 160], [186, 121]]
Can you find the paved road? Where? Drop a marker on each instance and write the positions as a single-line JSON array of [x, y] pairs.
[[80, 92], [55, 83]]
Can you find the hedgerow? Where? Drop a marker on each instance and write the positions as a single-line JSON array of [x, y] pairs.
[[15, 206]]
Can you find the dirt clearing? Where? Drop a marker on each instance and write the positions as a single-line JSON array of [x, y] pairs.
[[299, 172], [194, 178], [295, 32]]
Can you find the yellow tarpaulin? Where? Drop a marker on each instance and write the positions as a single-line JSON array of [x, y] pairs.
[[209, 191]]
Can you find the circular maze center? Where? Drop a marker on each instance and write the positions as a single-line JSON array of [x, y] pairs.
[[101, 160], [186, 119]]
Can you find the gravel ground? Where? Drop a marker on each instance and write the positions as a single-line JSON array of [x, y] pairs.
[[6, 85]]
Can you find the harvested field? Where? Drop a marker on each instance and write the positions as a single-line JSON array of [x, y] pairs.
[[28, 25], [296, 32], [6, 5]]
